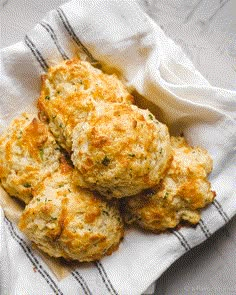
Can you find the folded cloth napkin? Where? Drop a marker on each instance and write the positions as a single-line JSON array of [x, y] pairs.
[[121, 38]]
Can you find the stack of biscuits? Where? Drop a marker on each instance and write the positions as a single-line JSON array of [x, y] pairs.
[[92, 161]]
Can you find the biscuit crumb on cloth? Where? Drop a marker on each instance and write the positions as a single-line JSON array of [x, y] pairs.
[[120, 150], [70, 91], [28, 154], [181, 194]]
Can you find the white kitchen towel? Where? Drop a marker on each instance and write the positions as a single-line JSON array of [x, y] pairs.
[[120, 37]]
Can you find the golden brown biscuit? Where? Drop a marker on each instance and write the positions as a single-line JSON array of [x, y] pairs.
[[70, 90], [180, 195], [28, 154], [66, 221], [120, 150]]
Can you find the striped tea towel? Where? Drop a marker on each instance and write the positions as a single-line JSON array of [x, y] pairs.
[[119, 36]]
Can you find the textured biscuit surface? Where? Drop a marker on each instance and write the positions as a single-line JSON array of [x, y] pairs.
[[66, 221], [69, 92], [28, 154], [183, 191], [120, 150]]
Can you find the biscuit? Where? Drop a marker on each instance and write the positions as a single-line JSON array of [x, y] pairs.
[[66, 221], [120, 150], [69, 92], [28, 154], [181, 194]]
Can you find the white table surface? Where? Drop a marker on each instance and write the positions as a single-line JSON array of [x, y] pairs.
[[206, 31]]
